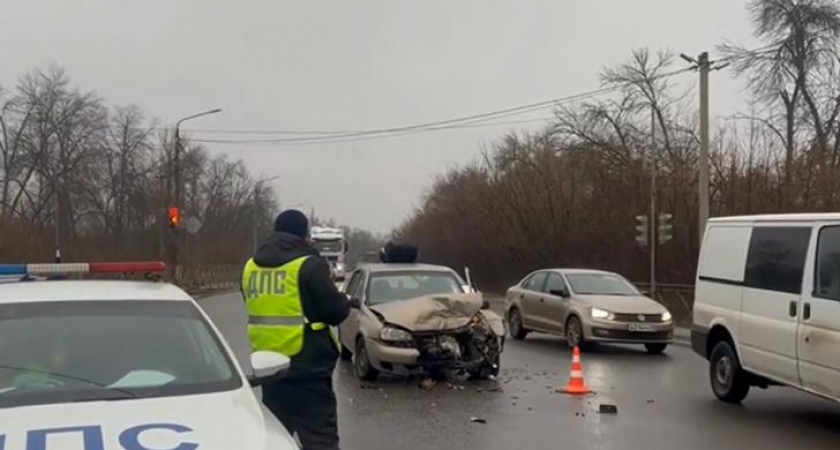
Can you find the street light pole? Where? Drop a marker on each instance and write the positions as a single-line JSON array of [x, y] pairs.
[[176, 162], [256, 205]]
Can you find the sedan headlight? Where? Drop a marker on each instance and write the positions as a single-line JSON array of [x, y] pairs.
[[391, 334], [598, 313], [666, 317]]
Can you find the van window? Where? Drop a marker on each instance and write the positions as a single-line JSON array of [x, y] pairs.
[[776, 258], [724, 254], [828, 264]]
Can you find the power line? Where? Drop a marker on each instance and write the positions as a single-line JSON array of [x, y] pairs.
[[460, 122], [429, 125], [331, 140]]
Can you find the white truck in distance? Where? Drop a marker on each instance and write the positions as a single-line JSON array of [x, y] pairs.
[[332, 245]]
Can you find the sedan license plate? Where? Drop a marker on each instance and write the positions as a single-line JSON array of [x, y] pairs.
[[640, 327]]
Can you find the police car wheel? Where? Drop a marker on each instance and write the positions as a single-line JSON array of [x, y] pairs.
[[361, 363]]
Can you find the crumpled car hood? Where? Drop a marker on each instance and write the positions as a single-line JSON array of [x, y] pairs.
[[434, 312]]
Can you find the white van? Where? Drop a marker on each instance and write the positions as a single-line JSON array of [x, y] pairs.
[[767, 304]]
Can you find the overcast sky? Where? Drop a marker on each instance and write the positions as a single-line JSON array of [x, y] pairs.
[[354, 64]]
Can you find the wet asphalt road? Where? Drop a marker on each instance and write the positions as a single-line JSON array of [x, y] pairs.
[[664, 402]]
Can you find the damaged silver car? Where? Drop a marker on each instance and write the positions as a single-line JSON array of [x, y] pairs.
[[410, 318]]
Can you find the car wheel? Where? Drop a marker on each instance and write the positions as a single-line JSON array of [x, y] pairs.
[[361, 363], [574, 333], [656, 349], [729, 381], [515, 327]]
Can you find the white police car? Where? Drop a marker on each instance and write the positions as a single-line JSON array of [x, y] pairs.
[[109, 365]]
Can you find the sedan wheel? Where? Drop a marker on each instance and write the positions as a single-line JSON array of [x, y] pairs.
[[517, 331], [361, 363], [574, 333]]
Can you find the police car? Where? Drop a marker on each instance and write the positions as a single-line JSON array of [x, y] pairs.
[[133, 365]]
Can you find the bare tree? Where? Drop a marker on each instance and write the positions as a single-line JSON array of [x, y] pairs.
[[795, 70]]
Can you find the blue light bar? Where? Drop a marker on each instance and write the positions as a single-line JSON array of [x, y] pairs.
[[12, 269]]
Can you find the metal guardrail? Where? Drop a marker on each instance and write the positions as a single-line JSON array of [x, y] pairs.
[[678, 298], [208, 277]]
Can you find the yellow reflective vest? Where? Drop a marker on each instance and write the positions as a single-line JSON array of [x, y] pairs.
[[276, 321]]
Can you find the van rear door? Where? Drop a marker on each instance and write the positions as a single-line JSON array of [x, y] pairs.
[[819, 331]]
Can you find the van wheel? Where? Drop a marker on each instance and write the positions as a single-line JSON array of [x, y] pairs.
[[515, 327], [361, 363], [729, 381]]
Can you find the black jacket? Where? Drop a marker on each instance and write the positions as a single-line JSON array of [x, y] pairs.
[[320, 299]]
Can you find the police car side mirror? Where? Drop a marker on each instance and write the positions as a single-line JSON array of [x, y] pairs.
[[355, 303], [268, 367]]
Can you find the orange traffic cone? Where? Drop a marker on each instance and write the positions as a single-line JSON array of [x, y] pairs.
[[576, 385]]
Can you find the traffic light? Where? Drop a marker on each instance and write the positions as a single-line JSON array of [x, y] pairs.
[[174, 217], [665, 228], [643, 230]]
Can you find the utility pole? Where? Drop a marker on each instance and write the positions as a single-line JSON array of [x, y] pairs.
[[652, 220], [256, 207], [704, 66], [703, 197], [176, 161], [57, 227], [256, 217]]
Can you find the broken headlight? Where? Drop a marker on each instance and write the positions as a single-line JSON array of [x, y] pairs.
[[391, 334], [450, 346]]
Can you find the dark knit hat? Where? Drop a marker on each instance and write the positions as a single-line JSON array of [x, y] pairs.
[[292, 221]]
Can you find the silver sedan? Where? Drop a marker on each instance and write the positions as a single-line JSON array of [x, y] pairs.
[[587, 306]]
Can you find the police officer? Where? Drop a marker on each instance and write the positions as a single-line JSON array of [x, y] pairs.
[[292, 303]]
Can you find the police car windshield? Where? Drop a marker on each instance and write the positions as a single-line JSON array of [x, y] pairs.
[[392, 286], [83, 351]]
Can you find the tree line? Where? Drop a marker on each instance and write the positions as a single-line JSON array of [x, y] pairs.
[[96, 178], [568, 194]]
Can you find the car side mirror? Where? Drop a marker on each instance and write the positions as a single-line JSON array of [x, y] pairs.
[[485, 304], [267, 367], [355, 303], [560, 293]]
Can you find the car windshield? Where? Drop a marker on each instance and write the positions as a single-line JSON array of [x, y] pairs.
[[59, 352], [389, 287], [600, 284], [328, 246]]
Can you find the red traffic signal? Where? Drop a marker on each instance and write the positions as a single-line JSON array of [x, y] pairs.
[[174, 217]]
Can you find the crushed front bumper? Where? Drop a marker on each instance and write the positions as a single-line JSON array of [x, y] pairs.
[[437, 352]]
